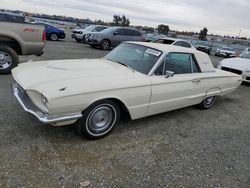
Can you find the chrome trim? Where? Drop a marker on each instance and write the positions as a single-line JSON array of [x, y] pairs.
[[28, 106]]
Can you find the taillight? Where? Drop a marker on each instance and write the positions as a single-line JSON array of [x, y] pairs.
[[44, 36]]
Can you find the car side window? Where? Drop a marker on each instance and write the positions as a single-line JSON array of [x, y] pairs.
[[179, 43], [186, 45], [120, 32], [181, 63], [130, 32], [2, 17]]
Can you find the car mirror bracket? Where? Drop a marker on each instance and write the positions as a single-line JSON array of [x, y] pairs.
[[169, 74]]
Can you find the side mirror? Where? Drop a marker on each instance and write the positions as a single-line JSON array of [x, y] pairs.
[[115, 33], [169, 74]]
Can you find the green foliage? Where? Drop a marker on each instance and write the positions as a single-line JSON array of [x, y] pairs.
[[203, 34], [163, 29], [120, 21]]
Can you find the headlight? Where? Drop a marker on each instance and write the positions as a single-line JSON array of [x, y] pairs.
[[45, 101]]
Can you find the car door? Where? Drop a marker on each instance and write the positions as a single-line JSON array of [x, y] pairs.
[[179, 90], [118, 37]]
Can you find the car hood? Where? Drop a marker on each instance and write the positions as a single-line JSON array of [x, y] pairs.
[[236, 63], [75, 76]]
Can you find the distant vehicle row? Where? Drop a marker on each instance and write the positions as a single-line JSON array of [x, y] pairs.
[[106, 37]]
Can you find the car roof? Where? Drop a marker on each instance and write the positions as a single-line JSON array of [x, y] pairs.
[[167, 48]]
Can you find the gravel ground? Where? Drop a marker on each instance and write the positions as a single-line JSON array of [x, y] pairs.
[[182, 148]]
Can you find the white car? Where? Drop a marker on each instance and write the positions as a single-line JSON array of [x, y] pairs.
[[225, 52], [175, 42], [245, 53], [136, 78], [239, 66], [79, 34]]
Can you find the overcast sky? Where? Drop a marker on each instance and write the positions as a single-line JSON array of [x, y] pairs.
[[226, 17]]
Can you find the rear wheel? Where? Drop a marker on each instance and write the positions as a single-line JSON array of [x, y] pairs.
[[8, 59], [105, 44], [207, 103], [99, 119]]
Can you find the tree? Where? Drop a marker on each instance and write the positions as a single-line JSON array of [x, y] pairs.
[[163, 29], [117, 20], [125, 21], [120, 21], [203, 34]]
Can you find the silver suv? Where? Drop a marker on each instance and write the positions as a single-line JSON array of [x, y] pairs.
[[113, 36], [80, 34]]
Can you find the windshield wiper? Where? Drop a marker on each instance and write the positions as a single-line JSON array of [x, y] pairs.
[[124, 64]]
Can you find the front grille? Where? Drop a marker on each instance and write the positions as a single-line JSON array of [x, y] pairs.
[[232, 70], [88, 35], [247, 78]]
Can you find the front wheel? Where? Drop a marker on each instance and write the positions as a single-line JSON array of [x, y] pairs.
[[54, 37], [98, 120], [207, 103], [105, 44], [8, 59]]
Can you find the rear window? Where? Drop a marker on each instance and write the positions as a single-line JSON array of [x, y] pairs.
[[11, 18], [164, 41], [130, 32]]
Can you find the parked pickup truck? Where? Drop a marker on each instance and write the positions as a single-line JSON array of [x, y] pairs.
[[18, 38]]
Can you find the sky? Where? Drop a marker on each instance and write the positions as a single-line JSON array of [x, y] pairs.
[[225, 17]]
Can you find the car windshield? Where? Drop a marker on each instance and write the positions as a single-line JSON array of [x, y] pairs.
[[164, 41], [138, 57], [90, 27], [228, 49], [98, 29]]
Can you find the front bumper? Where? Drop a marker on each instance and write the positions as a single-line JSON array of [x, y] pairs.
[[227, 54], [28, 106], [93, 41]]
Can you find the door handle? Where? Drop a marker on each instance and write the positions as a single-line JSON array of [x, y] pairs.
[[196, 81]]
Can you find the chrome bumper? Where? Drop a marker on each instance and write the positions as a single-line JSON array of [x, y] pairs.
[[28, 106]]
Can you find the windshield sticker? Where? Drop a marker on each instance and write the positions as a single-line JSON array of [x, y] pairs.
[[153, 52]]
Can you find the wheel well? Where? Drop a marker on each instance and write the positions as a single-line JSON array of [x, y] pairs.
[[107, 40], [11, 43], [124, 110]]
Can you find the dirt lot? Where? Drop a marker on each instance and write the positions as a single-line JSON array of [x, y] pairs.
[[183, 148]]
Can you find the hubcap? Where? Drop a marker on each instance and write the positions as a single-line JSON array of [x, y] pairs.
[[105, 44], [209, 101], [5, 60], [54, 37], [101, 119]]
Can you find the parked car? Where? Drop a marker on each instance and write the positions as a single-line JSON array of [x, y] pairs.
[[149, 37], [113, 36], [136, 78], [175, 42], [52, 32], [80, 34], [240, 66], [225, 52], [245, 53], [203, 46], [18, 38]]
